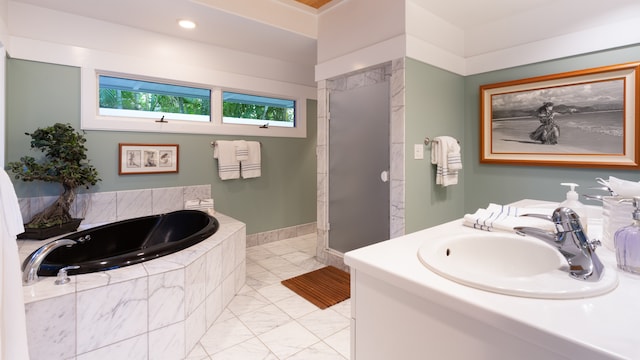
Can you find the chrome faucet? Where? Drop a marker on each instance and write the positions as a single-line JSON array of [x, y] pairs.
[[32, 264], [571, 242]]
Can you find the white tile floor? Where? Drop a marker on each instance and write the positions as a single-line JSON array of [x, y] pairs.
[[268, 321]]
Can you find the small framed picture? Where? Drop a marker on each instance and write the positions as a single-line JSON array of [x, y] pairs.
[[585, 118], [148, 159]]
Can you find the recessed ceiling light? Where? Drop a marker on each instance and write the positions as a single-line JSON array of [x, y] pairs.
[[187, 24]]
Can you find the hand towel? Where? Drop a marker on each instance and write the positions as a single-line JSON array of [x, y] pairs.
[[13, 327], [242, 151], [251, 168], [228, 164], [504, 218], [445, 154]]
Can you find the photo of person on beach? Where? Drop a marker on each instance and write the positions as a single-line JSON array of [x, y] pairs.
[[591, 116], [548, 131]]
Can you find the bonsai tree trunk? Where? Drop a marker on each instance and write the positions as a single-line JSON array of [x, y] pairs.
[[57, 213]]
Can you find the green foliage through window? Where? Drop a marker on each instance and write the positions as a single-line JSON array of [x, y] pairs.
[[137, 95], [279, 112]]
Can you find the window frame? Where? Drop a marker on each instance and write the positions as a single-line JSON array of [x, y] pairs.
[[92, 120]]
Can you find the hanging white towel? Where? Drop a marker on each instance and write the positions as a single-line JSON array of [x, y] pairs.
[[251, 168], [504, 218], [242, 150], [445, 154], [228, 164], [13, 328]]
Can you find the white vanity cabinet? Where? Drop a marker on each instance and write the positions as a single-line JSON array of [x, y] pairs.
[[402, 310], [392, 323]]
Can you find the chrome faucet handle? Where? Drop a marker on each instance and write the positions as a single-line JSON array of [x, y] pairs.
[[63, 277], [539, 216], [83, 239], [564, 218], [568, 219]]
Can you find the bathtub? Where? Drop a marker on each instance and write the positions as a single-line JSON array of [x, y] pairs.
[[157, 309], [130, 242]]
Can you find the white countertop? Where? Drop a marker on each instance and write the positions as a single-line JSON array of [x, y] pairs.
[[604, 326]]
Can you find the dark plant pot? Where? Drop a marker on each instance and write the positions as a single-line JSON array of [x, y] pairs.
[[51, 231]]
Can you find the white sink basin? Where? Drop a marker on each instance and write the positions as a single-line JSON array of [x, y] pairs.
[[509, 264]]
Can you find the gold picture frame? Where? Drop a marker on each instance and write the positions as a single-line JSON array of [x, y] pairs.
[[585, 118], [148, 159]]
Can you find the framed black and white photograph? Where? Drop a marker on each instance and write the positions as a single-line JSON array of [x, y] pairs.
[[148, 158], [585, 118]]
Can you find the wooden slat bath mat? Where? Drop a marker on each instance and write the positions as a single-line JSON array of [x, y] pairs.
[[323, 287]]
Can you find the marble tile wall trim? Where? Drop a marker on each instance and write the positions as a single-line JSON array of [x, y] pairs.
[[163, 306], [280, 234], [395, 73]]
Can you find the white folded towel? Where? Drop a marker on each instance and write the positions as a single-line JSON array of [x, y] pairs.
[[251, 167], [228, 164], [242, 151], [13, 328], [205, 205], [504, 218], [445, 154]]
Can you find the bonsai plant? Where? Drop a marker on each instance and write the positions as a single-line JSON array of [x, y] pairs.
[[64, 162]]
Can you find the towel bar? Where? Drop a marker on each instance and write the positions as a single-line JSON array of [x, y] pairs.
[[427, 140]]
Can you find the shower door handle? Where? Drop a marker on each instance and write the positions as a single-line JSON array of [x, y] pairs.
[[384, 176]]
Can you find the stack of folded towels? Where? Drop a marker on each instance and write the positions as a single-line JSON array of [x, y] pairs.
[[205, 205], [504, 218]]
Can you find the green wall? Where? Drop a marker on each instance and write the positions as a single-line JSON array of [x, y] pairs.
[[441, 103], [437, 103], [41, 94], [507, 183], [433, 107]]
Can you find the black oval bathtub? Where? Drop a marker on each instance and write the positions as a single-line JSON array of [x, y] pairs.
[[129, 242]]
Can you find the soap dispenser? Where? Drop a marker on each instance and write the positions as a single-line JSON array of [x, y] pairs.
[[574, 204], [627, 242]]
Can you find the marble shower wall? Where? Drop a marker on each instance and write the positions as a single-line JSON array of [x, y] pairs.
[[395, 72]]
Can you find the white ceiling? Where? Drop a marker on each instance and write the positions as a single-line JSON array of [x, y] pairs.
[[225, 23], [216, 27], [467, 14], [539, 14]]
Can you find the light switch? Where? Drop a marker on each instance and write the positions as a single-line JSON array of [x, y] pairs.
[[418, 151]]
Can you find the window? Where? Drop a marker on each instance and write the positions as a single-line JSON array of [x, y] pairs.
[[145, 103], [145, 99], [257, 110]]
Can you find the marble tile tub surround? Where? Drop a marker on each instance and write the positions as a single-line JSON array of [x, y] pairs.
[[395, 72], [106, 207], [158, 309]]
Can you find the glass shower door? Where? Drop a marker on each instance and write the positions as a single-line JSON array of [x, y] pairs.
[[359, 167]]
